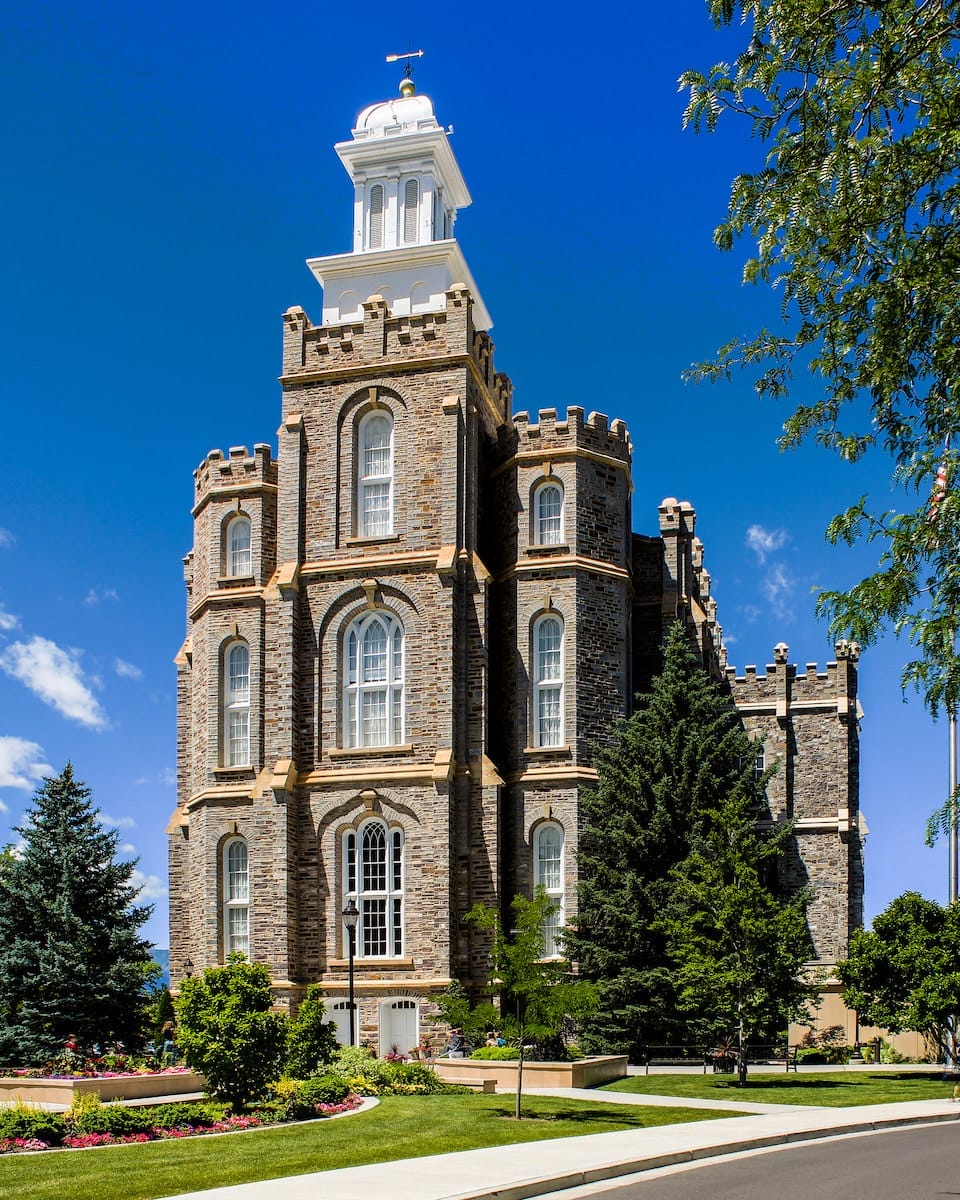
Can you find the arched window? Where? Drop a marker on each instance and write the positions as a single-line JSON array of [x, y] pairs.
[[548, 874], [411, 207], [236, 705], [376, 217], [375, 475], [373, 877], [239, 557], [548, 515], [548, 682], [373, 681], [236, 897]]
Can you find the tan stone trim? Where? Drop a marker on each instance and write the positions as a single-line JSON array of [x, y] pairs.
[[371, 541], [214, 598], [233, 489], [769, 707], [367, 964], [224, 794], [577, 562], [179, 820], [338, 987], [370, 751], [546, 751], [553, 453], [283, 778], [228, 581], [539, 774], [479, 568], [358, 776], [384, 368], [361, 566], [184, 654]]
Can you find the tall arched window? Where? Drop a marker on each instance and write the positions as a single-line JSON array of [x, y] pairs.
[[548, 515], [239, 557], [375, 475], [376, 217], [373, 681], [236, 705], [411, 208], [373, 877], [548, 874], [236, 897], [548, 682]]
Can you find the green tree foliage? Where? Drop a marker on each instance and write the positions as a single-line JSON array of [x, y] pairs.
[[678, 756], [905, 972], [739, 949], [226, 1030], [855, 213], [311, 1041], [161, 1012], [71, 958], [537, 996]]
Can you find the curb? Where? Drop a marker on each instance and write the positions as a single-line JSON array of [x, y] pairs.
[[543, 1184]]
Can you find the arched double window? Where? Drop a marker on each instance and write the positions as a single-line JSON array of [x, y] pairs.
[[239, 554], [548, 682], [236, 705], [548, 514], [548, 874], [236, 897], [373, 672], [375, 475], [373, 878]]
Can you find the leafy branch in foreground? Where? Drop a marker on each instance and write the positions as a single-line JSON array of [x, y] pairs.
[[855, 214]]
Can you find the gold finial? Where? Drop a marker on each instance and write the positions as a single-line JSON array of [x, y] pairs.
[[407, 86]]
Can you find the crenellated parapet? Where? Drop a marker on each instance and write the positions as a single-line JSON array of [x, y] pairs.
[[595, 433], [686, 593], [238, 471]]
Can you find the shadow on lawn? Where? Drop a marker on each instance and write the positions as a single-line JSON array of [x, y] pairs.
[[578, 1116]]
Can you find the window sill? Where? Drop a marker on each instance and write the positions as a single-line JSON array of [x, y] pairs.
[[548, 548], [246, 772], [371, 751], [537, 751], [399, 964], [372, 541], [225, 581]]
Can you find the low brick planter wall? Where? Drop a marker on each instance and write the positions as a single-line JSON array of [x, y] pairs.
[[585, 1072], [118, 1087]]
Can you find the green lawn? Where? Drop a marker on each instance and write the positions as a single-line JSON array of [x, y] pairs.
[[400, 1127], [831, 1089]]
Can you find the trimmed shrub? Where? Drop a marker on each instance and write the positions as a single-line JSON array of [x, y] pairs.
[[22, 1121], [497, 1053], [311, 1041]]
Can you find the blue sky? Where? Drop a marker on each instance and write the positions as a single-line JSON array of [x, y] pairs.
[[166, 169]]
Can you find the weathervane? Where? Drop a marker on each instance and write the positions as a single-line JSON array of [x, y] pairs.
[[408, 73]]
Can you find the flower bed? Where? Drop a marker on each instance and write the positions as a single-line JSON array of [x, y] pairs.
[[61, 1089], [584, 1072]]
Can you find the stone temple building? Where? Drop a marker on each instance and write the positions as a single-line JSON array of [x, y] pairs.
[[407, 630]]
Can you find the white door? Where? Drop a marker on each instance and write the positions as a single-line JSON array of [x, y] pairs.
[[339, 1014], [399, 1026]]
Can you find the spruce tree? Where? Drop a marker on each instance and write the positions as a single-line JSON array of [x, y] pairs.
[[71, 958], [677, 756]]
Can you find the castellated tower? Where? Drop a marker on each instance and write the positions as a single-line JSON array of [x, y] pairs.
[[406, 635]]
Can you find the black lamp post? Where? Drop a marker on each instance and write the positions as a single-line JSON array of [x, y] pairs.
[[351, 915]]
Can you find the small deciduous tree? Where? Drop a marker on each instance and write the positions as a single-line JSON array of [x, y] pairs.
[[227, 1031], [739, 949], [537, 994], [311, 1040], [904, 973], [71, 957]]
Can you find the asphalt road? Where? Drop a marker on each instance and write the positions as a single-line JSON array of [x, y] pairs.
[[908, 1164]]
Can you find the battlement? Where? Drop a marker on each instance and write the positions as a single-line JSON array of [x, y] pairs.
[[595, 433], [238, 469], [781, 677]]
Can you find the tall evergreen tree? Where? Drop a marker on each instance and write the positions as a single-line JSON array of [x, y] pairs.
[[71, 958], [677, 756]]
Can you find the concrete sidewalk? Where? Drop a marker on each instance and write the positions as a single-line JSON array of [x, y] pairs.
[[535, 1168]]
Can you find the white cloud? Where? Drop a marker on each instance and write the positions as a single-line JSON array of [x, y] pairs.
[[8, 620], [778, 587], [6, 539], [764, 542], [118, 822], [22, 764], [128, 848], [750, 612], [168, 776], [151, 887], [54, 675], [126, 670], [98, 595]]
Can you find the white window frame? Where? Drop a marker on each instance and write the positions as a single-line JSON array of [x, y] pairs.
[[373, 877], [239, 557], [548, 669], [374, 715], [548, 873], [547, 527], [235, 874], [236, 705], [375, 478], [759, 759]]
